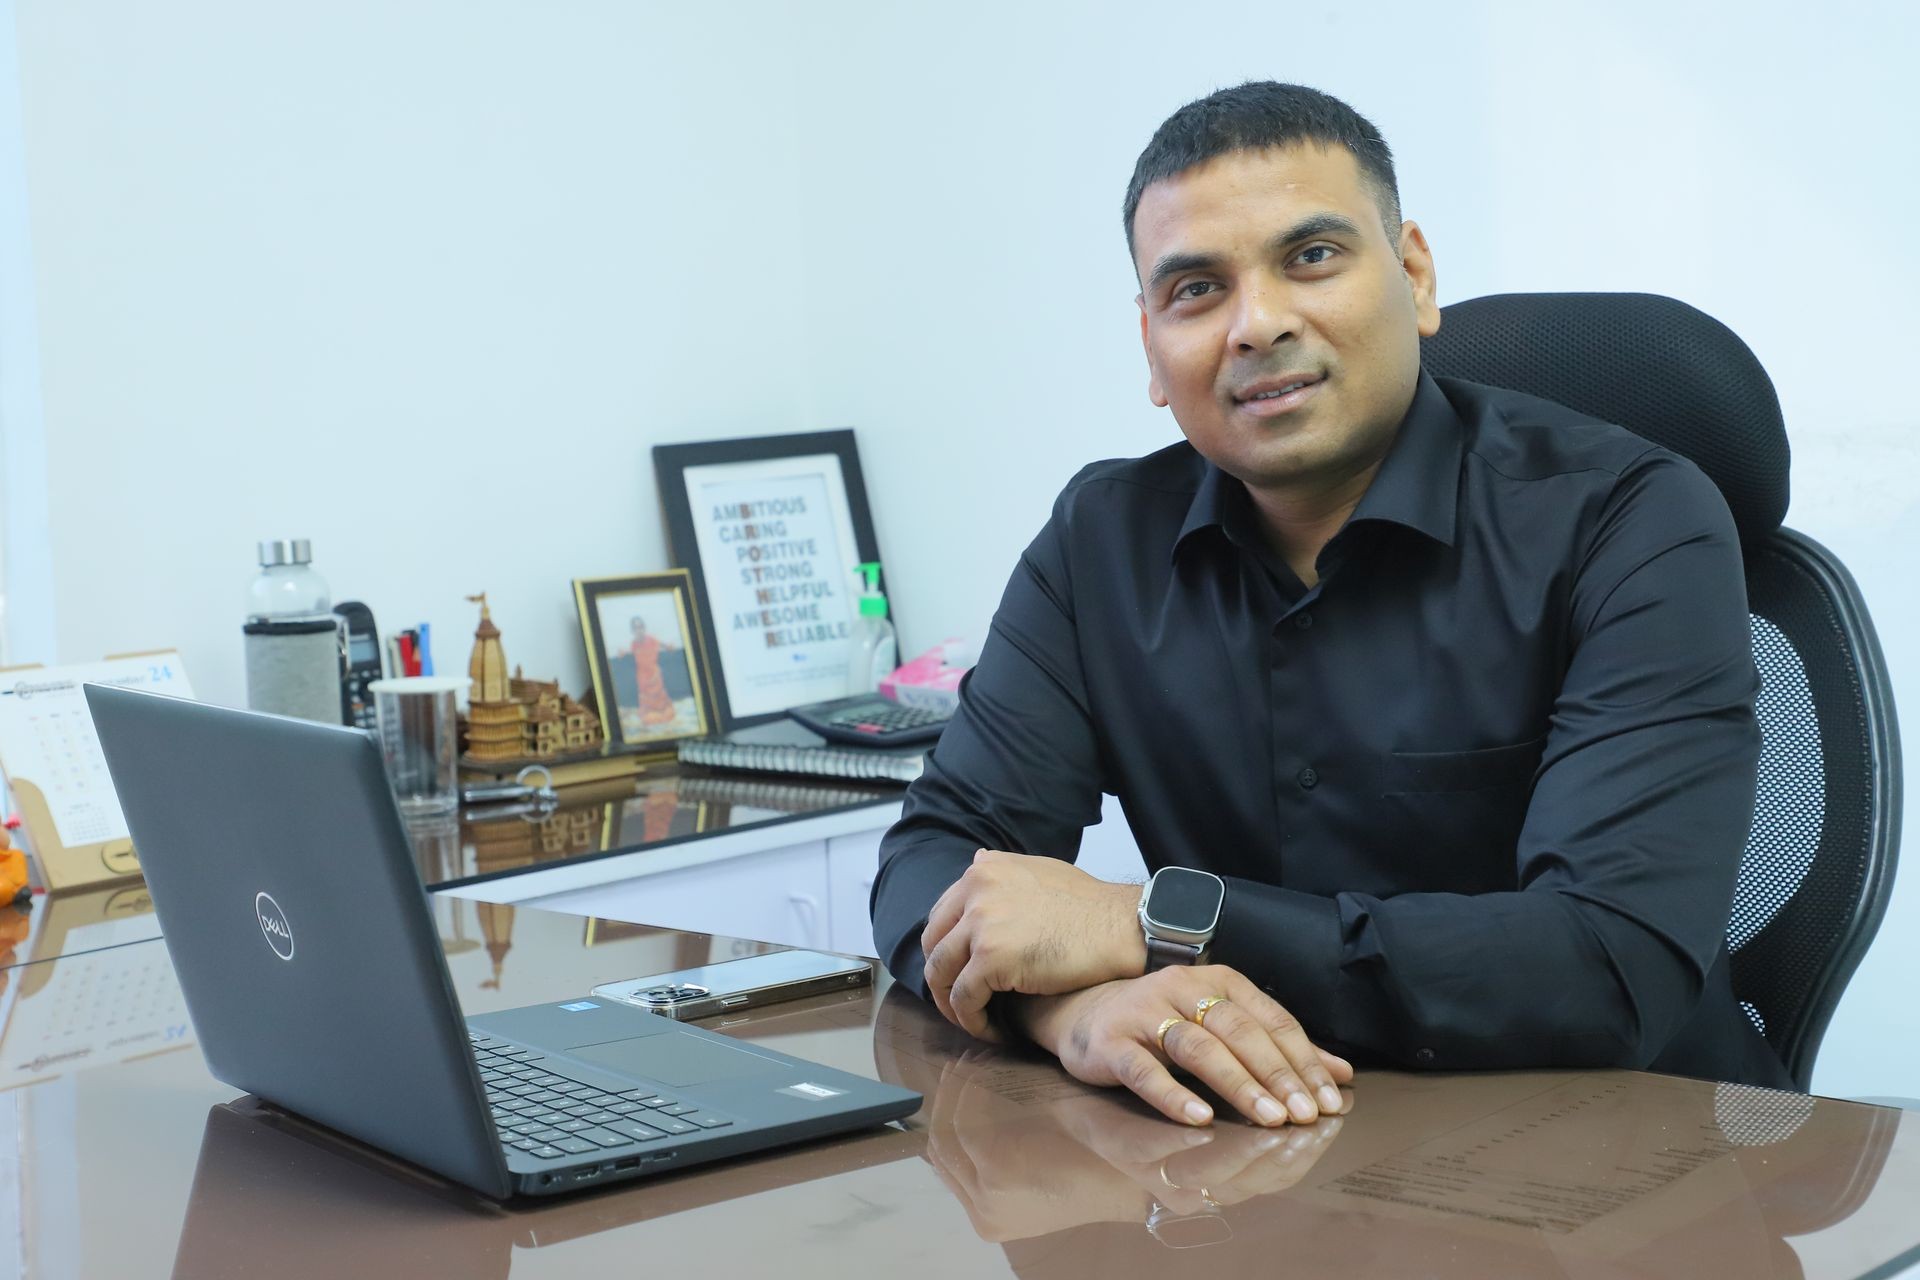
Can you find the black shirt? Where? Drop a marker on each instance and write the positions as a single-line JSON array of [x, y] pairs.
[[1479, 795]]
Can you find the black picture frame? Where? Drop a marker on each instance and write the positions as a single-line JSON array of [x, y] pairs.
[[681, 667], [737, 703]]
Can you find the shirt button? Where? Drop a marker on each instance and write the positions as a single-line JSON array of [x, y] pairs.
[[1308, 778], [1424, 1057], [1304, 621]]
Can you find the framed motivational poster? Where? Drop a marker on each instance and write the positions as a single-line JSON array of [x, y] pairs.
[[773, 529]]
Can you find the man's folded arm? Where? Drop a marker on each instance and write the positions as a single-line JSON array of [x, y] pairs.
[[1017, 768], [1628, 857]]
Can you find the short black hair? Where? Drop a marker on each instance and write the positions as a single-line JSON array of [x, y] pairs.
[[1257, 115]]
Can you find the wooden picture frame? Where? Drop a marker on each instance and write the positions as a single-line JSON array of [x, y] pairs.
[[648, 658], [771, 528]]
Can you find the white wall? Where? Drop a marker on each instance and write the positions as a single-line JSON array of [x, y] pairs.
[[420, 282], [423, 281]]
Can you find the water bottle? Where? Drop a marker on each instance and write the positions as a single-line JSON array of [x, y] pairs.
[[872, 652], [296, 645]]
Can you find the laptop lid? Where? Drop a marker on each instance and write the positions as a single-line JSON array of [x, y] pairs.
[[297, 924]]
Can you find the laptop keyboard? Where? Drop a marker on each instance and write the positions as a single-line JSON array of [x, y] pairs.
[[545, 1113]]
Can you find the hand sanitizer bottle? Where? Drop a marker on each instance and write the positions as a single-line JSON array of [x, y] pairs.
[[872, 650]]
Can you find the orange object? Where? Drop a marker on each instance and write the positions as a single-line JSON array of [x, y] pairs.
[[13, 868]]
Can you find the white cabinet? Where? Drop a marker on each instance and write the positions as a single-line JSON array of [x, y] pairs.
[[779, 895], [852, 862], [1107, 849]]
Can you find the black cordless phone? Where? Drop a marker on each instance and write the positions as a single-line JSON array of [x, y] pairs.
[[363, 665]]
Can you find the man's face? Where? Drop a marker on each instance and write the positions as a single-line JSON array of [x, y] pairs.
[[1270, 272]]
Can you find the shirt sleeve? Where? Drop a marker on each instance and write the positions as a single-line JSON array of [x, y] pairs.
[[1628, 857], [1017, 768]]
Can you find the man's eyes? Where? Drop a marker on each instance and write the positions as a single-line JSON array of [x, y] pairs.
[[1314, 255]]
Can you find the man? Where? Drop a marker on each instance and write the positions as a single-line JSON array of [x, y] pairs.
[[1452, 688]]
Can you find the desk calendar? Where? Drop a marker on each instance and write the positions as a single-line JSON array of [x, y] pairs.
[[56, 773]]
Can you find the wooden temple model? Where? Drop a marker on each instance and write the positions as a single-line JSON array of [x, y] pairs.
[[512, 718]]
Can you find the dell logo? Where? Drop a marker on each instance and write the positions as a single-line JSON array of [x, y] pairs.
[[273, 923]]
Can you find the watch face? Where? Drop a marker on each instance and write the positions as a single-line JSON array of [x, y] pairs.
[[1185, 900]]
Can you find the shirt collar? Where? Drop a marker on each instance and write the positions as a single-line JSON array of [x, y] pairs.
[[1418, 485]]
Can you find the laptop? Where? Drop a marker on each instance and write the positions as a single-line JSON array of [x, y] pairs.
[[306, 950]]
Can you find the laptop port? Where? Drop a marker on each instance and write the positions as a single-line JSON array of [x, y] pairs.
[[587, 1174], [631, 1162]]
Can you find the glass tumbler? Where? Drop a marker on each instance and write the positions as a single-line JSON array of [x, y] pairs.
[[419, 738]]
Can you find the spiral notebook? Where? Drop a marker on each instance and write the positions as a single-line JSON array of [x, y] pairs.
[[783, 746]]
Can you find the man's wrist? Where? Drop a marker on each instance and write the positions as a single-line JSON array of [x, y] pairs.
[[1130, 940], [1036, 1019]]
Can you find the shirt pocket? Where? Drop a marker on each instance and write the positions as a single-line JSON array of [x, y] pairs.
[[1427, 772], [1453, 818]]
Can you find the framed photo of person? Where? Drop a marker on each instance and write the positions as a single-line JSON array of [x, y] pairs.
[[773, 529], [648, 661]]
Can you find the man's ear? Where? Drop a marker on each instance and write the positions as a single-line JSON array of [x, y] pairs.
[[1155, 392], [1416, 259]]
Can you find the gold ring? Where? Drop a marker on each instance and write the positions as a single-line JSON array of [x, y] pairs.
[[1161, 1034], [1200, 1010], [1207, 1199], [1169, 1181]]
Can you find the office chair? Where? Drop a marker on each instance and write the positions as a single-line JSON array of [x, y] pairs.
[[1818, 867]]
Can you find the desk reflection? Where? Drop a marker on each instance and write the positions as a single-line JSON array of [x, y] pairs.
[[273, 1195], [1093, 1159], [1599, 1176], [662, 807], [1534, 1174]]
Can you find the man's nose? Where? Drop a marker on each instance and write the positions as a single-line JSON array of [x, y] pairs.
[[1267, 314]]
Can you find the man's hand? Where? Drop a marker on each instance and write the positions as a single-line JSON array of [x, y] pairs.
[[1250, 1051], [1016, 922]]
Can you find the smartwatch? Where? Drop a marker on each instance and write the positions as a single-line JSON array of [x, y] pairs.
[[1190, 1231], [1179, 912]]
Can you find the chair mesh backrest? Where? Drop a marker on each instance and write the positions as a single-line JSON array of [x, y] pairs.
[[1813, 828], [1817, 866]]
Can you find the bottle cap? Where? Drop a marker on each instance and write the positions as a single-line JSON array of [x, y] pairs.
[[302, 551], [872, 603], [272, 553]]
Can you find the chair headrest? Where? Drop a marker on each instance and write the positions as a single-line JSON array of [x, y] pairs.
[[1654, 365]]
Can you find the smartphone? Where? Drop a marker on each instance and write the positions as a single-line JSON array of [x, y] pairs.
[[746, 983]]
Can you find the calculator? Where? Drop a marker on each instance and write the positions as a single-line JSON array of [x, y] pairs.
[[869, 720]]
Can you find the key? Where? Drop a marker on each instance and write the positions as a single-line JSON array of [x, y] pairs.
[[635, 1130]]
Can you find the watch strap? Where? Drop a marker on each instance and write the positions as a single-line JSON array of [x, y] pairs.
[[1162, 953]]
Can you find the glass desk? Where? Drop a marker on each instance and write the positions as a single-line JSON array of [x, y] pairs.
[[663, 808], [667, 808], [133, 1162]]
